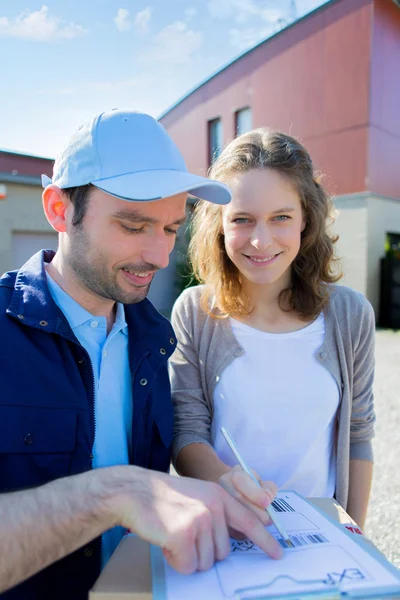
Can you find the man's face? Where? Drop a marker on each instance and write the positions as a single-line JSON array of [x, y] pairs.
[[119, 245]]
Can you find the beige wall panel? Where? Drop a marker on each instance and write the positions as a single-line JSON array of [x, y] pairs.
[[20, 211], [352, 227]]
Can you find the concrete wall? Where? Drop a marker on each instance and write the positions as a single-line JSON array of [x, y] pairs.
[[21, 211], [362, 224], [352, 247]]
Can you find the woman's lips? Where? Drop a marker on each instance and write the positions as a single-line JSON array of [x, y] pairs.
[[262, 261]]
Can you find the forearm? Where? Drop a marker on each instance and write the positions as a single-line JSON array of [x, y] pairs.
[[360, 479], [60, 517], [201, 462]]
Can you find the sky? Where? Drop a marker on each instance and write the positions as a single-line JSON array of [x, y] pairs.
[[64, 61]]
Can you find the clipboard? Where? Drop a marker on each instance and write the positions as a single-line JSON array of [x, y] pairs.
[[320, 591], [136, 570], [255, 593]]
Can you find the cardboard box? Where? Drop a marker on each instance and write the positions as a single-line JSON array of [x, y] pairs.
[[127, 575]]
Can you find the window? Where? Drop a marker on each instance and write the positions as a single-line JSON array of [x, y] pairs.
[[243, 120], [215, 140], [392, 245]]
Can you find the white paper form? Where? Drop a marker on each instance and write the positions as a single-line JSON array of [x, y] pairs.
[[324, 558]]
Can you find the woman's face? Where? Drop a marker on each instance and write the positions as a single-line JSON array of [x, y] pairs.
[[262, 226]]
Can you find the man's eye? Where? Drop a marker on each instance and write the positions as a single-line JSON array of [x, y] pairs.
[[172, 231], [132, 229]]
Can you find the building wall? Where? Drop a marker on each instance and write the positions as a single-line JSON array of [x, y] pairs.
[[16, 164], [311, 80], [20, 212], [164, 288], [383, 218], [362, 223], [384, 133], [352, 247]]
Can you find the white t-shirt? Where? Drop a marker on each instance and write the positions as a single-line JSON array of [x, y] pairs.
[[279, 404]]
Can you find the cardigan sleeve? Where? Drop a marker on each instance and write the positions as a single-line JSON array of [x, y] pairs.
[[192, 415], [363, 414]]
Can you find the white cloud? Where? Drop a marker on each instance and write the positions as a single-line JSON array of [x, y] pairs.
[[175, 44], [122, 20], [190, 12], [142, 20], [243, 10], [39, 26], [261, 21]]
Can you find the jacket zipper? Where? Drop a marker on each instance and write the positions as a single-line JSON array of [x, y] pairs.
[[69, 339], [93, 382]]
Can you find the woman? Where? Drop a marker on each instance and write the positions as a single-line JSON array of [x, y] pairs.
[[269, 347]]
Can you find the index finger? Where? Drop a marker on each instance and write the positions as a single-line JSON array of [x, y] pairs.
[[241, 518]]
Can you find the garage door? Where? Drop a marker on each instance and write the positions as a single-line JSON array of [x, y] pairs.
[[25, 244]]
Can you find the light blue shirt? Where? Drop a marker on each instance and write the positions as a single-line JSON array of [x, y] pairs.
[[112, 385]]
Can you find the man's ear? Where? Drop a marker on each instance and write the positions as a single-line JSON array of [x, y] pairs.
[[54, 207]]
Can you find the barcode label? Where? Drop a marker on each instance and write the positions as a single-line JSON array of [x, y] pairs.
[[280, 505], [303, 540]]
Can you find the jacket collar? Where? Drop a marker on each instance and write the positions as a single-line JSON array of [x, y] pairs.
[[32, 304]]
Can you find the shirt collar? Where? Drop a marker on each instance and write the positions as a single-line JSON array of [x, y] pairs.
[[120, 321], [75, 314]]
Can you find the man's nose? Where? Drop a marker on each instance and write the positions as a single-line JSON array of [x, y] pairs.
[[261, 237], [158, 253]]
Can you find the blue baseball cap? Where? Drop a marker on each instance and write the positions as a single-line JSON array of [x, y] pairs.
[[130, 155]]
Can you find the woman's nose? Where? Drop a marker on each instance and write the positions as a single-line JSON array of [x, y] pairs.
[[261, 237]]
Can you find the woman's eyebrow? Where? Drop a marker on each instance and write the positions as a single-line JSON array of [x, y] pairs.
[[284, 209]]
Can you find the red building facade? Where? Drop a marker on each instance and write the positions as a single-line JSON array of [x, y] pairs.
[[329, 79]]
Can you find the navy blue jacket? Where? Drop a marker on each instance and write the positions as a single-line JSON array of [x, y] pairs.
[[47, 423]]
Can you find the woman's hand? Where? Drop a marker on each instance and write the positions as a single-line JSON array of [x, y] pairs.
[[244, 489]]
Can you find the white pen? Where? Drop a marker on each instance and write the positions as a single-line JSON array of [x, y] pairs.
[[246, 469]]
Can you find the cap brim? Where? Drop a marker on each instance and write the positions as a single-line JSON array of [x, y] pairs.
[[154, 185]]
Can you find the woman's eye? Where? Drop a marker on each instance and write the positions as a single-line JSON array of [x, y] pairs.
[[282, 217], [240, 220], [172, 231]]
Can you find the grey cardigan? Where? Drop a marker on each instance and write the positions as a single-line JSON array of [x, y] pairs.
[[206, 346]]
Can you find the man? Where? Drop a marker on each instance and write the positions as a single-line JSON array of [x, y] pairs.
[[83, 373]]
